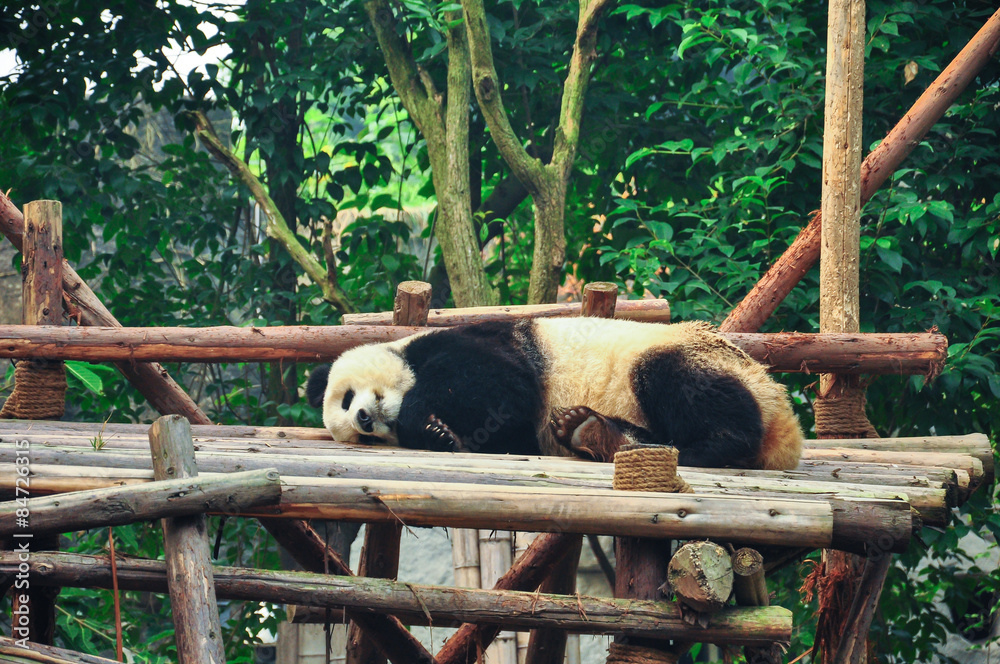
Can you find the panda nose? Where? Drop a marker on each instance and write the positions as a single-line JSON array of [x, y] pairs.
[[365, 421]]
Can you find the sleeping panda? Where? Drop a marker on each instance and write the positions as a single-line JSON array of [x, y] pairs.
[[548, 385]]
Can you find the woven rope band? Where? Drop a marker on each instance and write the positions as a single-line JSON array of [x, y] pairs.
[[39, 391]]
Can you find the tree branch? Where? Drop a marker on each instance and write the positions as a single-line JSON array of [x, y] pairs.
[[277, 228], [526, 168], [575, 88], [413, 86]]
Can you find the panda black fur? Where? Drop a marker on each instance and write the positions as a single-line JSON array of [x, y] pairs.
[[538, 385]]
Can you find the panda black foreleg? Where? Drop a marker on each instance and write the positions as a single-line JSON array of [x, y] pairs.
[[708, 415]]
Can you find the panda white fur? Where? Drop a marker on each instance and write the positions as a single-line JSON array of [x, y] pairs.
[[582, 384]]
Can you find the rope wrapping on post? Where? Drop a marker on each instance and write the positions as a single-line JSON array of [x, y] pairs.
[[843, 416], [641, 467], [39, 391], [631, 654], [648, 468]]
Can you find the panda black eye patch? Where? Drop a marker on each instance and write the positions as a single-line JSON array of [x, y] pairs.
[[348, 398]]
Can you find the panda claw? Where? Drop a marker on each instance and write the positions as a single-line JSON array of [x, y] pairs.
[[586, 433]]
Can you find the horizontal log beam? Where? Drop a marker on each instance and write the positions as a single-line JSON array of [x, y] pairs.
[[650, 311], [919, 353], [775, 521], [231, 493], [12, 653], [513, 610], [932, 501]]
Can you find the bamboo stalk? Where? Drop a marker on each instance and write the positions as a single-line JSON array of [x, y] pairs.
[[195, 610], [904, 353], [229, 494], [649, 311], [513, 609]]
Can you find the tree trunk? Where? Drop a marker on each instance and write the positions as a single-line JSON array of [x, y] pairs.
[[550, 241]]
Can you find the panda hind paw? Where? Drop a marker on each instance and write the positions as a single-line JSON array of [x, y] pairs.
[[586, 433]]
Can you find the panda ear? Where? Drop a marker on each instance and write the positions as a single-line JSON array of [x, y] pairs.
[[316, 387]]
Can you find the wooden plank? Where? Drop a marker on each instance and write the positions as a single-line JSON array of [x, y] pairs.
[[902, 353], [230, 494], [13, 652], [514, 609], [197, 629]]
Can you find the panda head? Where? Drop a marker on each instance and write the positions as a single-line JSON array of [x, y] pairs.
[[361, 394]]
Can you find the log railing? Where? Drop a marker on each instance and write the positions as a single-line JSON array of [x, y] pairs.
[[900, 353]]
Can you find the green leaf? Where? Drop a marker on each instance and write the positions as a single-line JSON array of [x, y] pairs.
[[83, 373]]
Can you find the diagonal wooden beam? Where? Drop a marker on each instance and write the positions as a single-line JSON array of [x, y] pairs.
[[792, 265], [150, 378]]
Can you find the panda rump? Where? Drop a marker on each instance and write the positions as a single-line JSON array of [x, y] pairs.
[[501, 387]]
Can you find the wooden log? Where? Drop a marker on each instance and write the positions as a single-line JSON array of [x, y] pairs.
[[289, 439], [650, 311], [43, 261], [512, 609], [549, 646], [600, 300], [229, 494], [40, 390], [749, 586], [859, 619], [380, 552], [839, 406], [527, 572], [379, 560], [750, 589], [763, 520], [390, 637], [641, 563], [412, 304], [151, 379], [792, 265], [917, 353], [14, 652], [195, 610], [701, 575], [932, 500]]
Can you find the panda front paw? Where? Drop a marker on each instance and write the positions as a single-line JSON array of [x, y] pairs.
[[442, 438], [586, 433]]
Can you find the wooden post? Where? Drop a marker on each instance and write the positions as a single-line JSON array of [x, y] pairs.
[[750, 589], [840, 402], [792, 265], [641, 564], [380, 553], [165, 395], [194, 607], [549, 646], [40, 386]]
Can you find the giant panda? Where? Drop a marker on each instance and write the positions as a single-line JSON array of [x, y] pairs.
[[562, 385]]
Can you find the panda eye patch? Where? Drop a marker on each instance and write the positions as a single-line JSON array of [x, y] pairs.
[[348, 398]]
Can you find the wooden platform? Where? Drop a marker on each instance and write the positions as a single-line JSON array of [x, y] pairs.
[[845, 493]]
